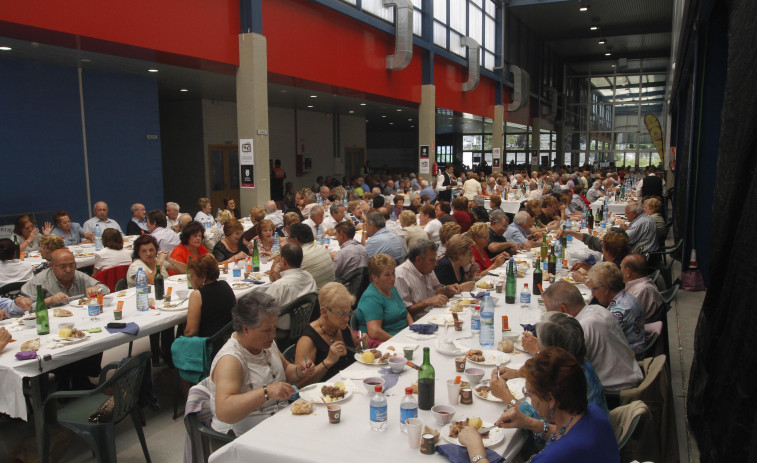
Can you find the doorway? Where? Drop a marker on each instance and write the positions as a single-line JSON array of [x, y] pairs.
[[223, 169], [354, 159]]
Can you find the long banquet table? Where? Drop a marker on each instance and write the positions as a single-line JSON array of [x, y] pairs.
[[307, 438]]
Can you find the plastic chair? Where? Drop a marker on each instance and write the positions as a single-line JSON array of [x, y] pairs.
[[121, 285], [299, 311], [654, 276], [289, 353], [624, 420], [666, 265], [111, 276], [197, 423], [125, 384], [11, 290], [648, 345], [356, 283], [670, 294]]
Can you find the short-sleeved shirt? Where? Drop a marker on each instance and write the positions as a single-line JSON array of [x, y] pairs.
[[414, 287], [351, 256], [384, 241], [592, 435], [89, 225], [516, 234], [51, 285], [316, 260], [629, 314], [374, 305], [76, 236]]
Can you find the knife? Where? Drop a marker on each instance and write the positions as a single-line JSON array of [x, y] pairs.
[[483, 430]]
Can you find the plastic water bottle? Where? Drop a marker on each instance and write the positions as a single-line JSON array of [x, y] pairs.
[[558, 253], [378, 413], [486, 335], [143, 291], [318, 234], [237, 272], [568, 224], [98, 237], [276, 243], [475, 321], [583, 221], [525, 297], [408, 408]]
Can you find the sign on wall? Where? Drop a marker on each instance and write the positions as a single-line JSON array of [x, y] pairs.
[[424, 151], [496, 157], [424, 166], [246, 163]]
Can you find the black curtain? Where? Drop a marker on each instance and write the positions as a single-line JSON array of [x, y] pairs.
[[723, 383]]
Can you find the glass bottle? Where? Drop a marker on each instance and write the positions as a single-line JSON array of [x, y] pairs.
[[426, 376], [43, 321]]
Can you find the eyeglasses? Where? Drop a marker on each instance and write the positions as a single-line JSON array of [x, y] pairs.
[[341, 314]]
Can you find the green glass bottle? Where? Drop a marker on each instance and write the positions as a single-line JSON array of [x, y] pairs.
[[544, 247], [255, 257], [43, 321], [426, 376], [538, 274], [159, 283], [552, 263], [512, 282], [189, 283]]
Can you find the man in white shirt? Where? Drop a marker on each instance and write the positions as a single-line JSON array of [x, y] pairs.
[[172, 216], [316, 259], [157, 227], [338, 212], [291, 283], [315, 220], [275, 216], [639, 285], [100, 210], [606, 346]]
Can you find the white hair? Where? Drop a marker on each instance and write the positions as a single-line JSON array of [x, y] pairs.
[[521, 218], [424, 183], [173, 205]]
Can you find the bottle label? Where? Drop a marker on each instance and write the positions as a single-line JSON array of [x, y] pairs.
[[525, 298], [378, 413], [406, 413], [475, 324], [94, 310]]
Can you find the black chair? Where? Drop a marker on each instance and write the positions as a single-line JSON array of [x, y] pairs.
[[299, 311], [662, 235], [197, 424], [11, 290], [665, 257], [356, 283], [289, 353], [122, 284], [670, 294]]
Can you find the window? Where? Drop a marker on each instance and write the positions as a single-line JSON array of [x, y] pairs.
[[444, 155]]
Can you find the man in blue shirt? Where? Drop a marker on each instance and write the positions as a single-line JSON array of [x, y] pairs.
[[519, 231], [382, 240], [427, 190]]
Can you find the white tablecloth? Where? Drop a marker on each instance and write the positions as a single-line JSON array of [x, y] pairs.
[[510, 207], [308, 438], [614, 208]]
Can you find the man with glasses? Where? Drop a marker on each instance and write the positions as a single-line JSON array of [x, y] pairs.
[[291, 282], [497, 241]]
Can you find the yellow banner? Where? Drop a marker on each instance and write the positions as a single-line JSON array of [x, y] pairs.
[[655, 131]]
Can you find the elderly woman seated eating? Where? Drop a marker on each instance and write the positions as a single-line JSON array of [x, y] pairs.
[[249, 378]]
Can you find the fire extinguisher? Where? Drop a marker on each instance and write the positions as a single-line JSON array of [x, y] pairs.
[[435, 168]]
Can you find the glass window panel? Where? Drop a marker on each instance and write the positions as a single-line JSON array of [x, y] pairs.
[[475, 25], [655, 159], [376, 8], [489, 34], [440, 34], [491, 8], [457, 15], [489, 61], [488, 142], [233, 170], [440, 10], [471, 142], [417, 23], [478, 3], [418, 4], [454, 44]]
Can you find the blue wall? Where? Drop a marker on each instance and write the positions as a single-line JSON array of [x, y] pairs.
[[41, 140]]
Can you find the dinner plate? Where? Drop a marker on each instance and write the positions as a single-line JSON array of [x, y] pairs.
[[519, 346], [496, 435], [240, 286], [442, 348], [492, 357], [359, 359], [70, 340], [76, 303], [183, 305], [179, 277], [84, 254], [463, 308], [313, 394], [441, 320], [515, 385]]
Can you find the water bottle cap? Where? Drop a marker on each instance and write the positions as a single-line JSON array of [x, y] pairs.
[[378, 388], [408, 390]]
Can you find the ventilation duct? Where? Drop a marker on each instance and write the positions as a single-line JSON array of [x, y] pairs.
[[403, 34], [521, 88], [474, 63]]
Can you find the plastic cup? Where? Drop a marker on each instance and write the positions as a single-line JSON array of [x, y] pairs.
[[335, 413], [408, 353], [453, 392], [117, 314], [414, 431], [460, 364]]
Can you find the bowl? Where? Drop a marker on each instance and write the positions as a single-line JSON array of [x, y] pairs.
[[371, 383], [28, 322], [397, 364], [109, 300], [474, 375], [443, 413], [511, 335], [182, 293]]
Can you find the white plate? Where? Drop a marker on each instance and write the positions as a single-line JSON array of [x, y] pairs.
[[492, 358], [70, 340], [359, 359], [515, 385], [519, 346], [441, 348], [238, 286], [184, 305], [313, 394], [496, 435], [75, 303], [179, 277], [441, 320]]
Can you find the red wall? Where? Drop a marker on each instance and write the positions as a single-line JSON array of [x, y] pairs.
[[449, 78]]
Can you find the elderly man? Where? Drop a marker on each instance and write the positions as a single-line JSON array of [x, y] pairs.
[[316, 219], [308, 202], [138, 223], [427, 190], [157, 226], [291, 283], [498, 224], [477, 208], [595, 192], [605, 281], [315, 258], [351, 255], [100, 210], [172, 216], [273, 214], [184, 220], [639, 285], [338, 212], [641, 230], [417, 283], [606, 346], [577, 204], [389, 188], [519, 231], [323, 195], [379, 239]]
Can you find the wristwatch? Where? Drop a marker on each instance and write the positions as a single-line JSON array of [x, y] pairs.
[[477, 457], [511, 404]]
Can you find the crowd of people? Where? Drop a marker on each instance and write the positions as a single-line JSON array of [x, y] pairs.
[[423, 241]]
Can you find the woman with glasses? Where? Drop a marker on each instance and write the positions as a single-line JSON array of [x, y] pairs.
[[381, 312], [26, 233], [328, 340], [571, 428]]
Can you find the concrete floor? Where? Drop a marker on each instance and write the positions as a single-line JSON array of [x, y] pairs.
[[165, 437]]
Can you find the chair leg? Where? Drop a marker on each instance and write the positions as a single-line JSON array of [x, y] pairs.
[[140, 434], [102, 439], [176, 395]]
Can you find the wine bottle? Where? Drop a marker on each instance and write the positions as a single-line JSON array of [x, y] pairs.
[[552, 263], [512, 282], [426, 376], [538, 274], [43, 321], [159, 284], [544, 248], [255, 257], [189, 283]]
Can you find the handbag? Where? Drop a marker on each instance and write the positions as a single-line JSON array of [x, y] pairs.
[[692, 280]]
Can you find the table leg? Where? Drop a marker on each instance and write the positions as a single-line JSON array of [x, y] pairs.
[[38, 392]]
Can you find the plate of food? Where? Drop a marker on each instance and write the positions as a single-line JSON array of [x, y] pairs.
[[79, 302], [483, 391], [488, 357], [70, 336], [177, 306], [179, 277], [450, 431], [376, 357], [519, 346], [459, 306], [442, 320], [62, 313], [84, 254], [485, 285], [239, 285], [569, 280], [330, 392]]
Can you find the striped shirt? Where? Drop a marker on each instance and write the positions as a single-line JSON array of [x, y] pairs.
[[316, 260], [642, 231], [414, 286]]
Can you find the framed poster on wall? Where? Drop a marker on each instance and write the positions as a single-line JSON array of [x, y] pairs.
[[423, 151], [246, 163]]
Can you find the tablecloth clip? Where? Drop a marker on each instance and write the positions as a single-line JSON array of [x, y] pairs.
[[46, 358]]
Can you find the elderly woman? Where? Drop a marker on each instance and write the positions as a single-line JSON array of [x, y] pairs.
[[249, 378], [614, 247], [556, 385], [447, 231], [223, 217], [113, 253], [210, 306], [257, 214], [653, 207], [290, 218], [495, 202], [265, 237], [71, 232], [399, 204], [410, 228], [190, 247], [478, 210], [230, 204], [457, 266], [26, 233], [12, 269], [229, 250], [472, 186], [381, 312], [461, 214], [479, 233], [147, 257], [326, 339], [605, 280], [48, 244], [204, 215]]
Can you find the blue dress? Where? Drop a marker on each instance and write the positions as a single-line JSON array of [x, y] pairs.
[[591, 439]]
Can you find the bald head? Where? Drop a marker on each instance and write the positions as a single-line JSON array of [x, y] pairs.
[[101, 210], [270, 206], [562, 296], [634, 266]]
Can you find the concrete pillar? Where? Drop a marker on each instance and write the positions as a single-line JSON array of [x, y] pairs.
[[252, 114], [536, 141], [498, 140], [427, 130]]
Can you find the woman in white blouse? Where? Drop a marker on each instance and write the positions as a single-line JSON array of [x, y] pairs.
[[472, 186], [11, 268], [147, 257], [113, 253], [204, 215]]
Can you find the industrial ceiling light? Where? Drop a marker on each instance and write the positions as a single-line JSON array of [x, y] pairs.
[[602, 41], [583, 6], [5, 49], [593, 27], [607, 53]]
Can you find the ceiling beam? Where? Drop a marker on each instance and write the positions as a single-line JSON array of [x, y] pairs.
[[645, 54], [517, 3], [620, 30]]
